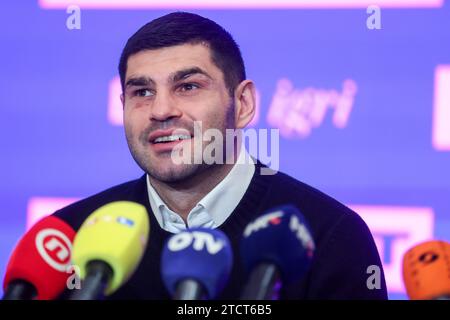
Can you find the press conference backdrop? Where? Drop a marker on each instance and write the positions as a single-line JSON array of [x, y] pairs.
[[361, 97]]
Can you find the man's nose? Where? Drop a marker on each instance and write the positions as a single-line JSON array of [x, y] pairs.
[[164, 107]]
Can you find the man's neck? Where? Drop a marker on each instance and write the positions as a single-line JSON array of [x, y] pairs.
[[183, 197]]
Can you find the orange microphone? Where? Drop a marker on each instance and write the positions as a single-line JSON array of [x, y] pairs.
[[426, 271]]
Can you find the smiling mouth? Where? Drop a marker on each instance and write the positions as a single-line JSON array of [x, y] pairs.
[[171, 138]]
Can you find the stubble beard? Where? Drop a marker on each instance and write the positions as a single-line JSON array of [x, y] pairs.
[[174, 173]]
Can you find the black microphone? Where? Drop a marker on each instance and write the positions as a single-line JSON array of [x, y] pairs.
[[98, 276], [20, 290], [276, 249]]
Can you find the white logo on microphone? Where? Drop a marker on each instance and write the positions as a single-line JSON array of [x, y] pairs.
[[301, 232], [54, 241], [199, 241], [262, 222]]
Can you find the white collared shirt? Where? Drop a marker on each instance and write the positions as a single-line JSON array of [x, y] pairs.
[[214, 208]]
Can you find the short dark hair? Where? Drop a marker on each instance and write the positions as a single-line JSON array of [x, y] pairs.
[[182, 27]]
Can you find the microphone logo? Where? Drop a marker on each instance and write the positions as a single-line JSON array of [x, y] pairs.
[[263, 222], [199, 240], [428, 257], [302, 233], [54, 247]]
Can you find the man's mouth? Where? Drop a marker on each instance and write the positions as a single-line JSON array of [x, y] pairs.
[[165, 140], [171, 138]]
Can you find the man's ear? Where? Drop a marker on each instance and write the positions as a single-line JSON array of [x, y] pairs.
[[122, 99], [245, 103]]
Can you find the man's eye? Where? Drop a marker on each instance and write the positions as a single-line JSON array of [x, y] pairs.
[[188, 87], [143, 93]]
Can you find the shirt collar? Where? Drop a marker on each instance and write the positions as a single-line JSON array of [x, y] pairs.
[[221, 201]]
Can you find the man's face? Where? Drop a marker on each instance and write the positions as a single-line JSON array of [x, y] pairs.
[[166, 90]]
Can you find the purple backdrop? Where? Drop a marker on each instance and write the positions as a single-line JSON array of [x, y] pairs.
[[364, 114]]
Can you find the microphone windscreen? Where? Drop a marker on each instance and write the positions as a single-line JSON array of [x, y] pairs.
[[426, 270], [199, 254], [117, 234], [42, 258], [281, 237]]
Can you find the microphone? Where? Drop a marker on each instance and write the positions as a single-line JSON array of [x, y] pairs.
[[108, 248], [196, 264], [426, 271], [276, 247], [38, 267]]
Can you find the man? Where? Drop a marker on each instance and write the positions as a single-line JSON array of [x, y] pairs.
[[181, 71]]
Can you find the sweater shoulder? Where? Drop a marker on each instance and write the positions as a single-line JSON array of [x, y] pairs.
[[76, 213], [292, 190], [323, 212]]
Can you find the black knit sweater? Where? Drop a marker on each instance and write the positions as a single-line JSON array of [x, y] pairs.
[[344, 245]]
